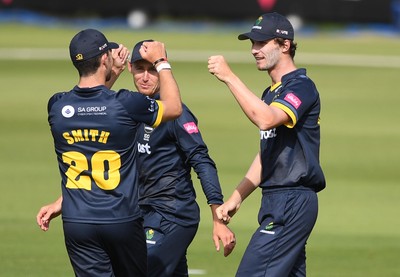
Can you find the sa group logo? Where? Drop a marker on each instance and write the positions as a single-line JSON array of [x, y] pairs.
[[68, 111]]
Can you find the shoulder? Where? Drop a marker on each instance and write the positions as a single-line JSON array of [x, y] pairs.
[[186, 115], [56, 97], [131, 96], [299, 82]]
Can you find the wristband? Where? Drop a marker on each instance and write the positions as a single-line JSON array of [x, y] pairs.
[[159, 60], [163, 66]]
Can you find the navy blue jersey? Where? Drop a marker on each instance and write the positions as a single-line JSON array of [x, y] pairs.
[[94, 131], [290, 153], [167, 154]]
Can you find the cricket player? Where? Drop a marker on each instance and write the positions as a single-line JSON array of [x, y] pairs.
[[92, 128], [167, 196], [287, 168]]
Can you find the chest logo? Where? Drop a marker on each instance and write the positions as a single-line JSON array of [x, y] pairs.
[[68, 111]]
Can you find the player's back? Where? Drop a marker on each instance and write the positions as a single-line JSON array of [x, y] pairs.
[[94, 132]]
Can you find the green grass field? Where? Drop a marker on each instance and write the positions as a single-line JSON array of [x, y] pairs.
[[358, 230]]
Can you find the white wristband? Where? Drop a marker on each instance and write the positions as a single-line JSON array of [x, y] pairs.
[[162, 66]]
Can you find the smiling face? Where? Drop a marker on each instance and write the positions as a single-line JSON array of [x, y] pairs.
[[145, 77], [266, 53]]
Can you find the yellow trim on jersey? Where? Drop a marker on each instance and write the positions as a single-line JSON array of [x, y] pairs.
[[159, 114], [275, 86], [288, 111]]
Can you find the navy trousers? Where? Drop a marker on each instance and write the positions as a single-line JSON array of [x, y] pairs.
[[167, 244], [107, 250], [277, 248]]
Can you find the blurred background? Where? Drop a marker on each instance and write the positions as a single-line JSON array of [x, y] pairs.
[[350, 49], [140, 13]]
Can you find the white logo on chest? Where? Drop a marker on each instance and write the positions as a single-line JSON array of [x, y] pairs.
[[268, 134]]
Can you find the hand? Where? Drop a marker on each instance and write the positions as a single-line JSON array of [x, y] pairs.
[[227, 210], [219, 68], [222, 233], [152, 51], [47, 213], [120, 57]]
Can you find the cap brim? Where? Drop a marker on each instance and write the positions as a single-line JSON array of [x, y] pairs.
[[255, 36], [136, 58], [113, 45]]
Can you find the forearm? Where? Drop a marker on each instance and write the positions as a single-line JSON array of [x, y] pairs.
[[213, 208], [120, 57], [57, 206], [249, 183], [208, 176], [261, 114], [115, 73], [169, 95]]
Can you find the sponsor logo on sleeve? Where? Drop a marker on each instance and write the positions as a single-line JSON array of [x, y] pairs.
[[152, 104], [293, 100], [191, 127]]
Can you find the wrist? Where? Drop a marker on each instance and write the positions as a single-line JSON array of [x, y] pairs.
[[159, 61], [162, 66]]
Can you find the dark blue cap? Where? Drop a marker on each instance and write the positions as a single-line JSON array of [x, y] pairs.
[[88, 44], [269, 26], [135, 52]]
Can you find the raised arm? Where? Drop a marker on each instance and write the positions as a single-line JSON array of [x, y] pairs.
[[154, 52], [120, 57], [262, 115]]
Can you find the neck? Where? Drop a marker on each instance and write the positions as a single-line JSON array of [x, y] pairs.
[[91, 81], [280, 70]]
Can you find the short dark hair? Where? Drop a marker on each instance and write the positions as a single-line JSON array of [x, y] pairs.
[[293, 46], [89, 66]]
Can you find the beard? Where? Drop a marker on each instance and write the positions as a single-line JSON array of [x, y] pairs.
[[270, 60]]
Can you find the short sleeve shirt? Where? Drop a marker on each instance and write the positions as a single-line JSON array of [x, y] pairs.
[[290, 153], [94, 132]]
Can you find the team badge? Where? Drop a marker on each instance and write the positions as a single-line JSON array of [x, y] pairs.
[[258, 21], [269, 229], [79, 57], [149, 234], [68, 111]]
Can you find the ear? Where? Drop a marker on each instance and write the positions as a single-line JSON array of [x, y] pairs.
[[286, 46], [104, 57]]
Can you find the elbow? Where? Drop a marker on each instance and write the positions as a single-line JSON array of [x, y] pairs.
[[172, 113], [177, 111], [264, 124]]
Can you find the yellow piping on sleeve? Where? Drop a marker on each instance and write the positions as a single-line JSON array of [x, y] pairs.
[[289, 112], [159, 114]]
